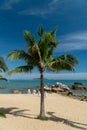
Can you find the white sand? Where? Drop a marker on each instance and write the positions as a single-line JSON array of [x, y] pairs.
[[21, 109]]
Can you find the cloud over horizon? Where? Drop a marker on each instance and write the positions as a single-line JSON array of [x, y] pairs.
[[73, 41], [60, 76]]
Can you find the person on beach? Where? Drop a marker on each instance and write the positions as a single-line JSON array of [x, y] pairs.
[[34, 91], [29, 91]]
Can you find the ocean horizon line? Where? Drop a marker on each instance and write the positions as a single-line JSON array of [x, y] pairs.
[[44, 79]]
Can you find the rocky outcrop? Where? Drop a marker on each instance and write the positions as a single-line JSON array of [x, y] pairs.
[[47, 89], [58, 87], [78, 86], [62, 87]]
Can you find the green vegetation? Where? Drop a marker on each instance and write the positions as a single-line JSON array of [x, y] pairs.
[[3, 68], [42, 118], [39, 54], [2, 78], [2, 115]]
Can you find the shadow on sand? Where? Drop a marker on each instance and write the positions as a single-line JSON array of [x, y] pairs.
[[16, 112], [73, 124]]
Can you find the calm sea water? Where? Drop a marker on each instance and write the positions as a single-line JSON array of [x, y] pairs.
[[23, 85]]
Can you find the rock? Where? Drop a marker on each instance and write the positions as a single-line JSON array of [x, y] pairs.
[[85, 88], [54, 90], [78, 83], [16, 92], [62, 87], [47, 89], [69, 93], [78, 86], [83, 98]]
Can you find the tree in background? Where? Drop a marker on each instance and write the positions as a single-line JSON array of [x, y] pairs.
[[39, 54], [3, 68]]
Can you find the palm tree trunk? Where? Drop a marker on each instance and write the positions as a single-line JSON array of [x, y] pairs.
[[42, 108]]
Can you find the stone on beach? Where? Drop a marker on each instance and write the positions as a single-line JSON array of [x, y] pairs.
[[16, 92], [78, 86]]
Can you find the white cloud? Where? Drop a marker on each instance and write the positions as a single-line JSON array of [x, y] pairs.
[[36, 11], [76, 36], [7, 5], [47, 9], [74, 41], [26, 76], [71, 76]]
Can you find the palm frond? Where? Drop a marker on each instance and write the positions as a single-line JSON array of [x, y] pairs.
[[43, 45], [70, 58], [26, 68], [64, 62], [3, 66], [53, 45], [19, 54], [54, 31], [40, 31], [47, 44], [36, 52], [2, 78], [29, 39]]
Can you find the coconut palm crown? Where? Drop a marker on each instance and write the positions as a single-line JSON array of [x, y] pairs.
[[39, 54]]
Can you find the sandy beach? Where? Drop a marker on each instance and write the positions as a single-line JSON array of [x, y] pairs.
[[63, 113]]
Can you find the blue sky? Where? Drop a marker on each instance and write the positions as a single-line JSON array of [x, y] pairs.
[[70, 16]]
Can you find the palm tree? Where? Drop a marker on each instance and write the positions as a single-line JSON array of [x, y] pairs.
[[3, 68], [39, 54]]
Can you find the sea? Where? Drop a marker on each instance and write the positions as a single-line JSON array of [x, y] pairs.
[[7, 87]]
